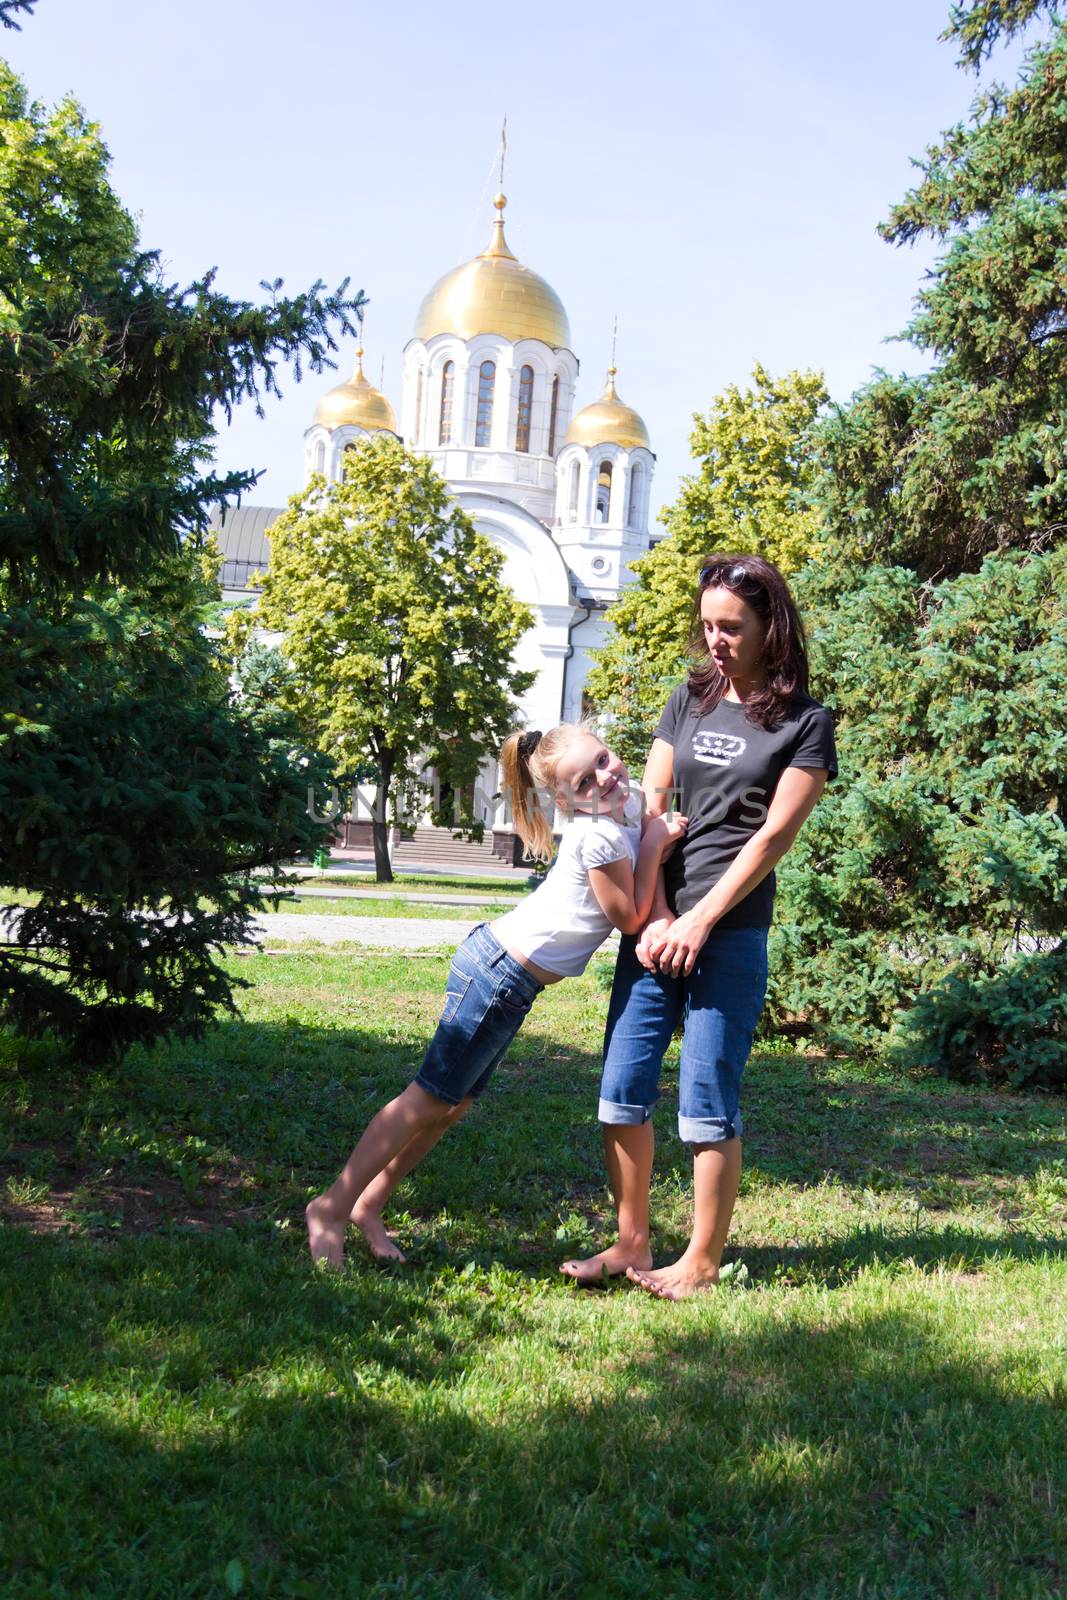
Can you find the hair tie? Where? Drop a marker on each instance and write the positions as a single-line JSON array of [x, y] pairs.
[[528, 743]]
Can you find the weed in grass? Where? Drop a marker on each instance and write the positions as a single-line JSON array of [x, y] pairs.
[[25, 1191], [1044, 1197]]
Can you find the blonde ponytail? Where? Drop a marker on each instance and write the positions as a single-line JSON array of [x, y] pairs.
[[520, 785], [529, 762]]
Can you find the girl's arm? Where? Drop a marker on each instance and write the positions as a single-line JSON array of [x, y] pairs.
[[658, 785], [799, 788], [625, 895]]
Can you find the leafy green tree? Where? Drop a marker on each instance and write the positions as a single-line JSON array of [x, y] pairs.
[[752, 492], [940, 622], [133, 789], [398, 629]]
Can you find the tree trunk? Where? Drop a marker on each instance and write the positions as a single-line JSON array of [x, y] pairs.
[[383, 871]]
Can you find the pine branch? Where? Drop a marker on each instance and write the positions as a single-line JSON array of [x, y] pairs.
[[982, 24], [9, 10]]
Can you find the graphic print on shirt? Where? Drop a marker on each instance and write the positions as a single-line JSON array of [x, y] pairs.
[[718, 749]]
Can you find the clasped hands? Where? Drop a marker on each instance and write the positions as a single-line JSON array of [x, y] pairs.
[[671, 944]]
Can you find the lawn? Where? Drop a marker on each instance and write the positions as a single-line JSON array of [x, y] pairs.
[[511, 885], [873, 1406], [393, 906]]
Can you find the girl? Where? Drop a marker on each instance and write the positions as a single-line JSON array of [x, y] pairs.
[[605, 876]]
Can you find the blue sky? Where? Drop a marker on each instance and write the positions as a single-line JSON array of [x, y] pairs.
[[714, 174]]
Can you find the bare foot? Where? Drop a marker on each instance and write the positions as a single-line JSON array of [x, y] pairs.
[[609, 1263], [676, 1282], [383, 1247], [326, 1235]]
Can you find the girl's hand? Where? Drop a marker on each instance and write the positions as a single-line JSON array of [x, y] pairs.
[[652, 936], [675, 951], [666, 831], [676, 827]]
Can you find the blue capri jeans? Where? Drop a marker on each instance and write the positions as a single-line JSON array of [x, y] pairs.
[[486, 1000], [719, 1004]]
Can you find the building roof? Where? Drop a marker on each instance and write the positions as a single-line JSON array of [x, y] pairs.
[[241, 533], [609, 421], [357, 404], [495, 293]]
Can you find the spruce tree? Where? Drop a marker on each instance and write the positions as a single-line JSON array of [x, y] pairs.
[[136, 794], [927, 894]]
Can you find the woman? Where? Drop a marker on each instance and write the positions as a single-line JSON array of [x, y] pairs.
[[748, 754]]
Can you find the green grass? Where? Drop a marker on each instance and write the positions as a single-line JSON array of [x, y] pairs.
[[875, 1407], [396, 906], [410, 880]]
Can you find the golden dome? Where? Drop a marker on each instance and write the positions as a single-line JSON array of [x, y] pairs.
[[355, 404], [494, 293], [608, 421]]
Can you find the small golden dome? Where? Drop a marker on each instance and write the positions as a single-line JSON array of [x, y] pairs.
[[355, 404], [494, 293], [608, 421]]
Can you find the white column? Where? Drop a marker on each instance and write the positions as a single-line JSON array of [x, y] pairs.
[[620, 479], [462, 416]]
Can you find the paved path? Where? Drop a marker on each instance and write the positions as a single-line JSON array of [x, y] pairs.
[[396, 933], [372, 933]]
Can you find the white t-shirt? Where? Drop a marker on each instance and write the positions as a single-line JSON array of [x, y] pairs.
[[561, 924]]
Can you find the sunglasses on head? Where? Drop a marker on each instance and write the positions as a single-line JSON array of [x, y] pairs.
[[729, 575]]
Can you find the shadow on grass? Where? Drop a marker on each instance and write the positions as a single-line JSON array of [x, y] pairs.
[[838, 1262], [208, 1406], [809, 1116], [241, 1126]]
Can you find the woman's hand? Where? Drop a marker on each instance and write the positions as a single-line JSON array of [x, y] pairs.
[[675, 949]]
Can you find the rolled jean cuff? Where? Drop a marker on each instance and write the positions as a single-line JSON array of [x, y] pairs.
[[708, 1130], [438, 1093], [622, 1116]]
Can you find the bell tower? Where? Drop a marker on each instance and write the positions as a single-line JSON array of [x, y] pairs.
[[603, 483]]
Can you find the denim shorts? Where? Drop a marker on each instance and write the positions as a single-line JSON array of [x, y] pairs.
[[486, 1000], [719, 1004]]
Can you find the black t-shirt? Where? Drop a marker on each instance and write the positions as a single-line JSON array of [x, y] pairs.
[[726, 770]]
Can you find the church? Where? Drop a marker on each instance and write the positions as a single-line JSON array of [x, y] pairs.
[[488, 393]]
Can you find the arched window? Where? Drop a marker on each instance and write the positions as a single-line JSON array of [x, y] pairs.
[[553, 416], [483, 426], [448, 378], [418, 405], [633, 510], [320, 457], [522, 420], [603, 492], [348, 457], [576, 478]]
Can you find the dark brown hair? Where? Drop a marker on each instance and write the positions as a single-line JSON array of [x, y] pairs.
[[784, 658]]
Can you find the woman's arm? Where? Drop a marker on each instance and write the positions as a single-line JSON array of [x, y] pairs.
[[625, 895], [657, 780], [676, 949]]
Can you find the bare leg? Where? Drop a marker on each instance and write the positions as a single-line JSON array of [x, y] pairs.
[[386, 1136], [716, 1175], [628, 1152], [367, 1211]]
